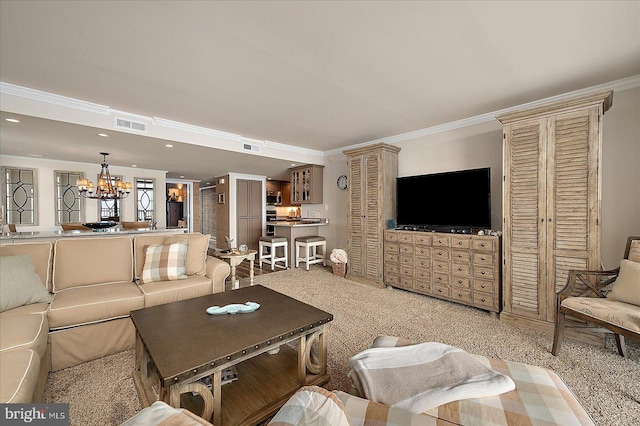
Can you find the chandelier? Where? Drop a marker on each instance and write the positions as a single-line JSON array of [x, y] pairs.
[[105, 189]]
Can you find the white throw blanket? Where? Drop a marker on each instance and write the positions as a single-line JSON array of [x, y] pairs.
[[423, 376]]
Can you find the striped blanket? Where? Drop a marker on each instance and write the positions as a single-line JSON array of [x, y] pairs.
[[423, 376]]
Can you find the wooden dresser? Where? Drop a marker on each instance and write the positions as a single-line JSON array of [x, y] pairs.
[[460, 268]]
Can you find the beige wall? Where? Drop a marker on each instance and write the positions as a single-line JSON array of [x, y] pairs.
[[481, 146]]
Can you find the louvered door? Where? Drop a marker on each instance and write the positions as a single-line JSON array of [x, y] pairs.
[[551, 200], [354, 224], [372, 220]]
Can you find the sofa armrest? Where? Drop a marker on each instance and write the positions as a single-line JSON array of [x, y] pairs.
[[218, 270]]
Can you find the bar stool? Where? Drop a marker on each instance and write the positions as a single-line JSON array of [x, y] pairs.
[[310, 244], [273, 243]]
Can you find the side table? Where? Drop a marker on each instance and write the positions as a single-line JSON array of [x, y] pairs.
[[235, 258]]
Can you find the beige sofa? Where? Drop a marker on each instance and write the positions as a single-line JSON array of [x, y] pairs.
[[95, 285]]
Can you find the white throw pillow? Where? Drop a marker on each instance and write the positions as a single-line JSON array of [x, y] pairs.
[[19, 283], [626, 288]]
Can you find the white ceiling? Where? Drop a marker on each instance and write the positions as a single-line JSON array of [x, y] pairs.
[[316, 75]]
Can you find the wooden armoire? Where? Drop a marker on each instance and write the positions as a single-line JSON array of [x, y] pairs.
[[551, 202], [372, 173]]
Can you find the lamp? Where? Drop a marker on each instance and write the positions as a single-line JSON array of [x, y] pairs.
[[105, 189]]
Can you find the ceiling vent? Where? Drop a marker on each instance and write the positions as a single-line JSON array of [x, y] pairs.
[[131, 125], [249, 147]]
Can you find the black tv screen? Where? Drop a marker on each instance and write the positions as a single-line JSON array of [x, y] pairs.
[[443, 201]]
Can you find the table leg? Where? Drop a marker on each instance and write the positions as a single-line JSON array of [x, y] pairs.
[[216, 389], [233, 277], [251, 271]]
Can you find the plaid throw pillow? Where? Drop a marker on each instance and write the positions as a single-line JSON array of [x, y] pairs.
[[164, 262]]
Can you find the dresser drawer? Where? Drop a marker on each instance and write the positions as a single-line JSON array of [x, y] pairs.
[[422, 251], [484, 300], [484, 244], [406, 271], [441, 241], [460, 242], [406, 249], [422, 239], [406, 260], [441, 254], [440, 290], [422, 274], [460, 294], [405, 237], [406, 282], [391, 268], [391, 247], [441, 266], [440, 279], [460, 281], [391, 257], [422, 262], [484, 286], [391, 236], [460, 269], [390, 279], [422, 286], [483, 259], [483, 272], [460, 256]]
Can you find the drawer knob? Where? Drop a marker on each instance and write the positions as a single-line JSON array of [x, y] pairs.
[[459, 269], [482, 258], [483, 299], [440, 278], [483, 286], [440, 253], [439, 241], [440, 290], [482, 272], [481, 244], [459, 294], [460, 255], [460, 242], [459, 281]]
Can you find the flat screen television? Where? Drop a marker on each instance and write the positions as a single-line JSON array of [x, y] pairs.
[[458, 200]]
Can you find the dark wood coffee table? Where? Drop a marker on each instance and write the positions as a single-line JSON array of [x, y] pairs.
[[178, 344]]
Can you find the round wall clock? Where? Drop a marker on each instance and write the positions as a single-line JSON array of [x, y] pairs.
[[342, 182]]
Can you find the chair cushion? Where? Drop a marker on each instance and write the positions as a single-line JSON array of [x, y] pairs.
[[626, 287], [197, 247], [309, 239], [161, 292], [19, 283], [89, 304], [29, 331], [274, 239], [19, 371], [624, 315], [164, 262], [36, 308]]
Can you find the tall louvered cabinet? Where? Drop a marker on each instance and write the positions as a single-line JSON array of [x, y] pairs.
[[372, 173], [551, 202]]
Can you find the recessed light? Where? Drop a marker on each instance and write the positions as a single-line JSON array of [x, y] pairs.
[[12, 120], [133, 165], [293, 164], [169, 145], [181, 177], [104, 135], [36, 155], [208, 183]]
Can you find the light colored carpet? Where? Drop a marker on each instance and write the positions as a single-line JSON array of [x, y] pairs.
[[608, 386]]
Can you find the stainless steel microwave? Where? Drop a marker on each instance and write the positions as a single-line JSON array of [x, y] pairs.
[[274, 198]]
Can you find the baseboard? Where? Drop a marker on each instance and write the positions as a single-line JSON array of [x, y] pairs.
[[590, 336]]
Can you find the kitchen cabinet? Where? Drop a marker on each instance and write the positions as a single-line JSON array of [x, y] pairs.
[[248, 212], [372, 173], [306, 184], [273, 186], [551, 202], [286, 193]]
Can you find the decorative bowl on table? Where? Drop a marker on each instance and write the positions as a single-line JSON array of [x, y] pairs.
[[96, 226]]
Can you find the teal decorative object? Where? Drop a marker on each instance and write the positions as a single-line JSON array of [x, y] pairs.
[[233, 308], [391, 223]]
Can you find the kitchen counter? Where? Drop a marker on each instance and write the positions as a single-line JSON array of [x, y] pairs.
[[17, 237], [294, 229]]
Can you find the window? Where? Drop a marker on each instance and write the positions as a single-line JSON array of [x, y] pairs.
[[20, 194], [109, 209], [145, 190], [68, 201]]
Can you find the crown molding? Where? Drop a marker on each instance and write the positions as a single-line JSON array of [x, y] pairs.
[[190, 128], [617, 85], [50, 98]]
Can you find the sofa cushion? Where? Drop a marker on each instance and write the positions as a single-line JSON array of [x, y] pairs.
[[161, 292], [162, 414], [19, 283], [164, 262], [24, 332], [364, 412], [311, 405], [139, 241], [626, 287], [19, 371], [93, 303], [197, 247], [36, 308], [86, 261], [41, 254], [624, 315]]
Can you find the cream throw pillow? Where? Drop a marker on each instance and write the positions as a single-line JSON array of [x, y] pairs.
[[626, 288], [311, 406], [197, 246], [19, 283]]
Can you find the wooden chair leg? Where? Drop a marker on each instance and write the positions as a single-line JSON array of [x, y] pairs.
[[622, 346], [558, 333]]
